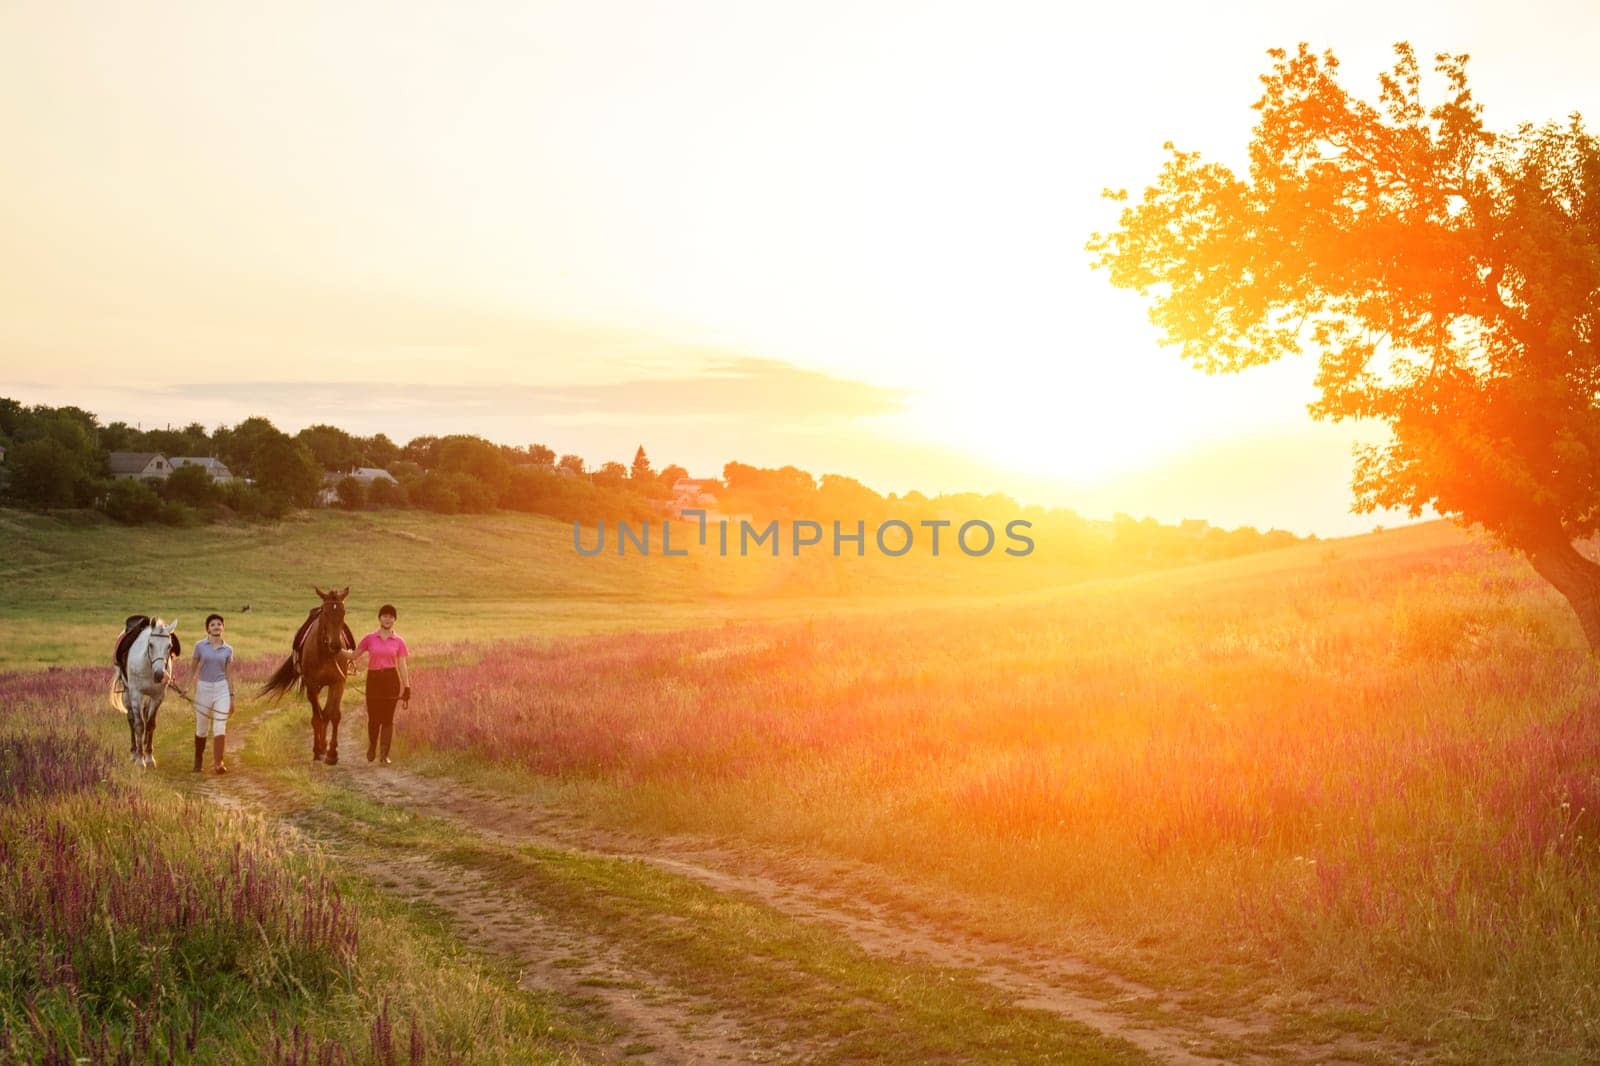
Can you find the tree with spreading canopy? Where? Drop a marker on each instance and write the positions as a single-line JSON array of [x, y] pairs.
[[239, 445], [335, 450], [1447, 277], [477, 458], [285, 468], [610, 475], [47, 473]]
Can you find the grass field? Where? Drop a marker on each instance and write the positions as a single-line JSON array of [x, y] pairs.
[[69, 583], [1362, 774], [139, 920], [141, 923], [1349, 787]]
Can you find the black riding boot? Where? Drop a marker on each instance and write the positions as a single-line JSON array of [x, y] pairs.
[[199, 754], [222, 750], [372, 736], [385, 734]]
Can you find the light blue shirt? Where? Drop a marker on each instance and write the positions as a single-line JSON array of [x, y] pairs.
[[214, 660]]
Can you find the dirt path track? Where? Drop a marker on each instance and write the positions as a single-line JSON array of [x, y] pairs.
[[830, 893], [652, 1021]]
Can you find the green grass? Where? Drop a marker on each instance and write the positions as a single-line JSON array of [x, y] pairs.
[[69, 583], [793, 980], [1352, 779], [95, 978], [1355, 780]]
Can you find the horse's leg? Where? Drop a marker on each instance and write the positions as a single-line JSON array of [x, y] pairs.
[[335, 695], [150, 732], [138, 739], [130, 700], [318, 724]]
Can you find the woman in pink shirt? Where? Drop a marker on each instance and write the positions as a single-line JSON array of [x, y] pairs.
[[388, 681]]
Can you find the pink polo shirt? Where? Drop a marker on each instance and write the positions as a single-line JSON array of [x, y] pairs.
[[384, 651]]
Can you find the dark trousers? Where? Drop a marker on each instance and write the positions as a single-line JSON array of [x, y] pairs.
[[383, 692]]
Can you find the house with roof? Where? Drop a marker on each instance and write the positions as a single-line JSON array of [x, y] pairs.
[[215, 468], [367, 475], [138, 466], [695, 493]]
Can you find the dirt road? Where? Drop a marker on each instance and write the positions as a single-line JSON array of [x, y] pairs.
[[660, 1010]]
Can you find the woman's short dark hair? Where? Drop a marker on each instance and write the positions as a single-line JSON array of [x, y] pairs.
[[212, 617], [388, 608]]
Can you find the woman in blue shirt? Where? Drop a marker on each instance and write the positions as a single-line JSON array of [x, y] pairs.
[[213, 693]]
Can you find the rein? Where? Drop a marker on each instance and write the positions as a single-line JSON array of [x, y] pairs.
[[330, 645], [150, 660]]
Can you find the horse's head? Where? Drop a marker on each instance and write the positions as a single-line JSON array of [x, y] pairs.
[[160, 646], [331, 622]]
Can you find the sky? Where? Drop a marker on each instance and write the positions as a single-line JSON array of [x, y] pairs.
[[847, 236]]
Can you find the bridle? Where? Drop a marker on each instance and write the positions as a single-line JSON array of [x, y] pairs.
[[151, 659], [328, 630]]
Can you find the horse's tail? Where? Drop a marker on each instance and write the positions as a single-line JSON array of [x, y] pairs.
[[117, 689], [283, 680]]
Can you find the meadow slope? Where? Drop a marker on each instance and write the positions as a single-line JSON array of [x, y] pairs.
[[1329, 803], [70, 579]]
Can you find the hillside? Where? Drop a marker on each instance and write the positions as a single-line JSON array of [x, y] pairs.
[[69, 583], [1329, 803]]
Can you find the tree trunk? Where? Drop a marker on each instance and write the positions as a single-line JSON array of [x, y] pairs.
[[1576, 578]]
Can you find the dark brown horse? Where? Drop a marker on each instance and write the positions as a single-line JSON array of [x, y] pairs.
[[321, 653]]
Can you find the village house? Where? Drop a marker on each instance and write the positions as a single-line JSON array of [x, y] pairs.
[[138, 466], [216, 469], [693, 493], [699, 494], [367, 475]]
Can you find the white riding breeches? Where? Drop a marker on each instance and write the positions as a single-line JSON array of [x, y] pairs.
[[212, 704]]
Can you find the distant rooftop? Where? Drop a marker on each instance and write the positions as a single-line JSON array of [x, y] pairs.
[[130, 462]]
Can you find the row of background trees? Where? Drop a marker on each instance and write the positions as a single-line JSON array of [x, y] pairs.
[[57, 458]]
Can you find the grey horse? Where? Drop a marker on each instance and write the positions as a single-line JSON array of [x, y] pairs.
[[148, 674]]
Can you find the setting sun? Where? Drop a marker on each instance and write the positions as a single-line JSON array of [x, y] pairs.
[[559, 195]]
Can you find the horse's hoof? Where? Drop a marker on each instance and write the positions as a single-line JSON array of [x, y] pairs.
[[333, 758], [316, 756]]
